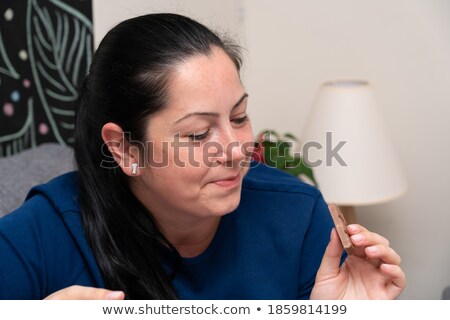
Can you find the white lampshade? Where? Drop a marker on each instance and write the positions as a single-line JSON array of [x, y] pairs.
[[372, 172]]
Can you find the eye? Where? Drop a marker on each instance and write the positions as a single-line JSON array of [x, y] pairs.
[[198, 137], [240, 120]]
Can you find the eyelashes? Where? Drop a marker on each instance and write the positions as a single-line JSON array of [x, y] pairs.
[[203, 136], [240, 120], [198, 137]]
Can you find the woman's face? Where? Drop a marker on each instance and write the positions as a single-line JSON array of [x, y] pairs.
[[198, 142]]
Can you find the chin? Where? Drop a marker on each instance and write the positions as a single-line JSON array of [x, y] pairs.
[[226, 205]]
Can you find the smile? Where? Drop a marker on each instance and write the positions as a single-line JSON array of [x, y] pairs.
[[229, 182]]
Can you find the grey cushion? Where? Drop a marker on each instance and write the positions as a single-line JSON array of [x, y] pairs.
[[20, 172]]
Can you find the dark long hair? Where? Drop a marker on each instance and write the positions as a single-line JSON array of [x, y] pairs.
[[126, 83]]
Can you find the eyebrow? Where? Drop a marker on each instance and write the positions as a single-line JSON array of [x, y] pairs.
[[211, 114]]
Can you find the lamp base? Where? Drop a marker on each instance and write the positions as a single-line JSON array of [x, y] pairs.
[[349, 213]]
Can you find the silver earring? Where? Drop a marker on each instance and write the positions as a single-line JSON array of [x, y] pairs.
[[134, 168]]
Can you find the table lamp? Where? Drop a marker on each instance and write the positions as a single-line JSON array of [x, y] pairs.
[[347, 144]]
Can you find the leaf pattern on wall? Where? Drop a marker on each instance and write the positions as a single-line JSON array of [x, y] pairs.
[[6, 66], [25, 137], [39, 89]]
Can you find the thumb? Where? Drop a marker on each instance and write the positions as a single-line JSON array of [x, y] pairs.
[[331, 260]]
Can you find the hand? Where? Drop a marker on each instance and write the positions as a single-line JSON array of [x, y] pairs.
[[85, 293], [372, 272]]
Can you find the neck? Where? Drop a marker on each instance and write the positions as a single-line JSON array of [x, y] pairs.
[[189, 234], [189, 238]]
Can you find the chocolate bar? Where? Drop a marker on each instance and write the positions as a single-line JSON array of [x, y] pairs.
[[341, 228]]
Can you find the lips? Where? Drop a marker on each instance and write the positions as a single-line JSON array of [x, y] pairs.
[[228, 182]]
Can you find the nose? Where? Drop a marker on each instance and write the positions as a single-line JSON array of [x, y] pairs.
[[231, 149]]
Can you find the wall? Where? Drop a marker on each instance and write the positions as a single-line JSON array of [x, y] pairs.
[[219, 15], [403, 48]]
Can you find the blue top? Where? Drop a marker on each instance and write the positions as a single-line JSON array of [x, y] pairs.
[[270, 247]]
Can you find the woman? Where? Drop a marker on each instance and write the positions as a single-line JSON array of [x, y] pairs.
[[160, 208]]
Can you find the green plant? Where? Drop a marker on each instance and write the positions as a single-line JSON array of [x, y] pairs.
[[275, 150]]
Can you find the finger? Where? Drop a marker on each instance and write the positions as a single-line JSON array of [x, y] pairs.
[[397, 277], [383, 253], [331, 259], [355, 228], [86, 293], [367, 238], [89, 293]]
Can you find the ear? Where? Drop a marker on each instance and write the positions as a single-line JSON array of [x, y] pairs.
[[124, 153]]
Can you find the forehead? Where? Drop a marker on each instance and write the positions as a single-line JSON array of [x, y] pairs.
[[204, 83]]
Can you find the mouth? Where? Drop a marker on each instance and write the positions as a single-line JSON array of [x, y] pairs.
[[228, 182]]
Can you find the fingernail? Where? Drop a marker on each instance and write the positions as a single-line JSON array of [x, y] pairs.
[[114, 295], [386, 267], [352, 227], [357, 237], [372, 249]]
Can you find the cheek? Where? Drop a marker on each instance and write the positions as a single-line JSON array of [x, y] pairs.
[[187, 156], [158, 154], [174, 155], [174, 181], [185, 164]]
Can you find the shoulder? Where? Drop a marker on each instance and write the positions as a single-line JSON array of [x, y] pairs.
[[264, 178], [39, 241], [272, 197], [44, 203], [42, 214], [268, 194], [62, 192]]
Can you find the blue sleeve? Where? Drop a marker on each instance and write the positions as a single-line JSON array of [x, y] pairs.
[[314, 244], [21, 272], [37, 253]]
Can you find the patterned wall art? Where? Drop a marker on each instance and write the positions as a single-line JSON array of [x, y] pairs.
[[46, 47]]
